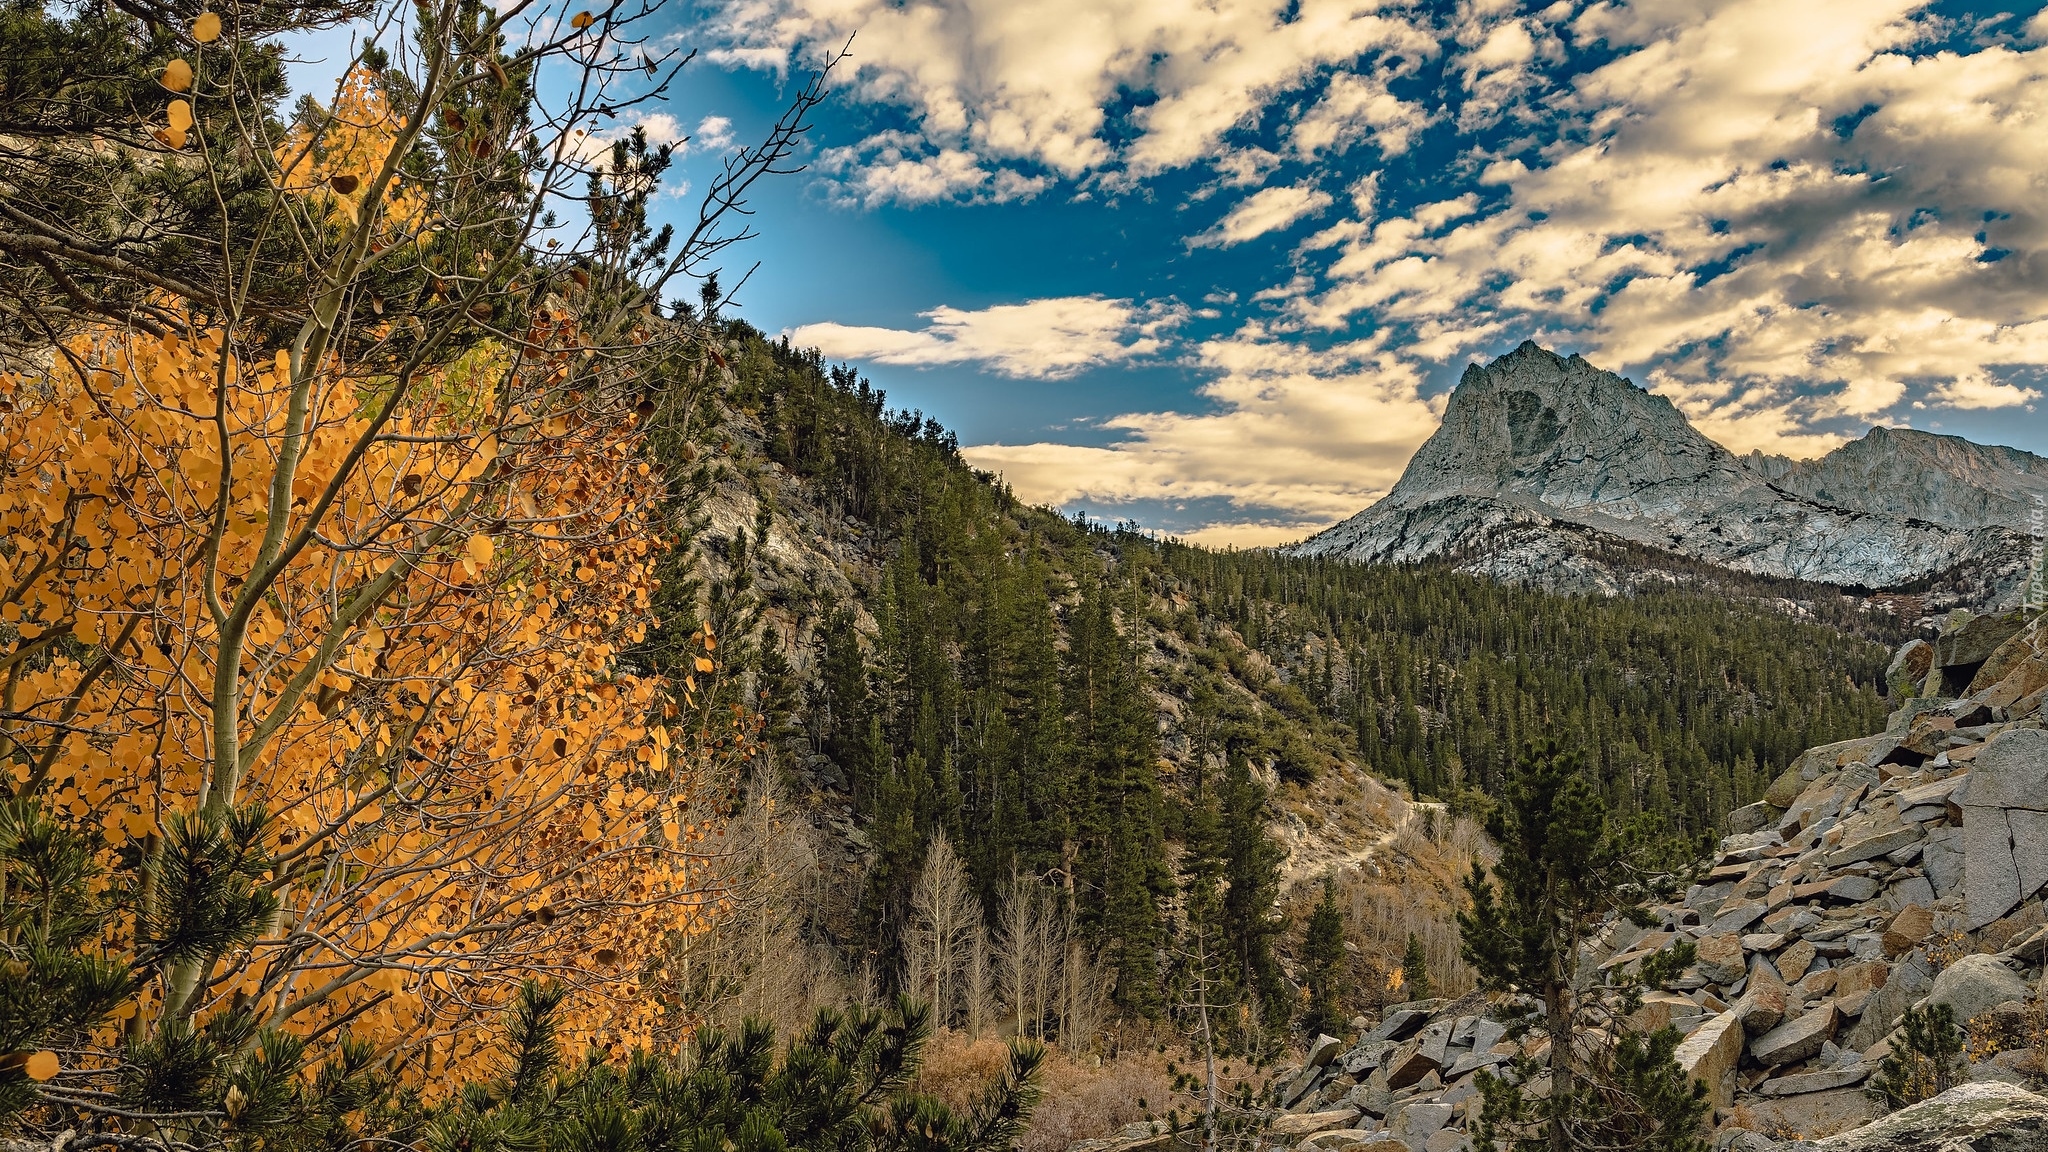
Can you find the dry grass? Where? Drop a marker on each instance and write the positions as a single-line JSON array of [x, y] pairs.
[[1411, 886], [956, 1067], [1085, 1097]]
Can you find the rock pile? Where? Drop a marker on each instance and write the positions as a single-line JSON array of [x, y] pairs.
[[1877, 874]]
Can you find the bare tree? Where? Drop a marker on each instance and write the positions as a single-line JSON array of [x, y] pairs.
[[1019, 960], [1084, 988], [978, 978], [755, 957], [942, 917]]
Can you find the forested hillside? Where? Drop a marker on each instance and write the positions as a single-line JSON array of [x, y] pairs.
[[1122, 717]]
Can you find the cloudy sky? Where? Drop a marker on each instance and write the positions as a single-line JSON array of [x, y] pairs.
[[1213, 264]]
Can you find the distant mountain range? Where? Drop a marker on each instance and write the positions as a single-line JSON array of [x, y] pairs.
[[1545, 469]]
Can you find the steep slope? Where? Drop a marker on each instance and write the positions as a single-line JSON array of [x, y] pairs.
[[1906, 472], [1879, 873], [1537, 450], [931, 654]]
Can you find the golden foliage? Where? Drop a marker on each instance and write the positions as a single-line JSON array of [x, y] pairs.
[[464, 787], [333, 162]]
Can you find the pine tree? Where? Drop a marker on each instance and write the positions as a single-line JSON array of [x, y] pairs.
[[1322, 958], [1565, 866], [845, 1083], [1252, 872], [1415, 970], [1927, 1060]]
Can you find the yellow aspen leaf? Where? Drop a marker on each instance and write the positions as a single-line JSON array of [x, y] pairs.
[[479, 549], [703, 665], [582, 20], [177, 76], [180, 113], [531, 710], [41, 1066], [206, 29]]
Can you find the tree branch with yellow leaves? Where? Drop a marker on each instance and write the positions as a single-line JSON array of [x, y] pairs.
[[326, 518]]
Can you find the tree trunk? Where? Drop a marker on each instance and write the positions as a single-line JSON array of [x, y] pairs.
[[1208, 1062], [1558, 1021]]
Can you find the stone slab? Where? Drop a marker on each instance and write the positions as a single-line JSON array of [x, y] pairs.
[[1805, 1082], [1710, 1052], [1399, 1025], [1812, 1114], [1991, 879], [1796, 1040], [1301, 1124], [2012, 771], [1720, 958], [1872, 846], [1408, 1065]]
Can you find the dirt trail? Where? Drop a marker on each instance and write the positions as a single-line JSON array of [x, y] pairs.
[[1370, 817]]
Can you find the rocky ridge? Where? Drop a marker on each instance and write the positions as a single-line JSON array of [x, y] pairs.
[[1877, 874], [1537, 450], [1907, 472]]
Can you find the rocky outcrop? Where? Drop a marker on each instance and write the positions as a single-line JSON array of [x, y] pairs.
[[1988, 1117], [1854, 898], [1907, 472], [1536, 451]]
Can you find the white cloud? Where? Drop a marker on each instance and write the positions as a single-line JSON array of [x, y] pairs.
[[1787, 218], [1267, 210], [1355, 108], [1705, 216], [1041, 339], [1304, 435], [713, 133], [1031, 86], [898, 167]]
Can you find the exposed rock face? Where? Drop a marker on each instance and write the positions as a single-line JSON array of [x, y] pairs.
[[1538, 450], [1813, 936], [2005, 842], [1987, 1117], [1976, 984], [1906, 472]]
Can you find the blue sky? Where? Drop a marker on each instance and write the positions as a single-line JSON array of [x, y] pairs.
[[1213, 264]]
